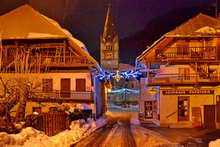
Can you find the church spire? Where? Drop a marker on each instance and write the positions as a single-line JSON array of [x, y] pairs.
[[109, 28]]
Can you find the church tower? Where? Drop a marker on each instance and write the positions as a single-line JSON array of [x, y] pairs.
[[109, 47]]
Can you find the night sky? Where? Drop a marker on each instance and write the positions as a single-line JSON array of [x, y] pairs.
[[85, 18]]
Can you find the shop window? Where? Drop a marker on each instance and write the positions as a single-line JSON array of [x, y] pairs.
[[183, 108], [148, 109]]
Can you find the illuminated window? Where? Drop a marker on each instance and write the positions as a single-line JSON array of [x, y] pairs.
[[183, 108], [109, 47], [108, 55]]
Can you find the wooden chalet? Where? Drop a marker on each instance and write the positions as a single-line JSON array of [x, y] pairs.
[[183, 75], [36, 47]]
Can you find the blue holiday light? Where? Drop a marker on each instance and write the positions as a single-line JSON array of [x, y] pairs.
[[107, 76]]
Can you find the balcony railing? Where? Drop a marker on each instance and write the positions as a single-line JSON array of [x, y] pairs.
[[64, 96], [164, 79], [187, 53], [56, 60]]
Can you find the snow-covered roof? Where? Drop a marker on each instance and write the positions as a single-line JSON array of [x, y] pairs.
[[191, 26], [26, 23], [199, 26]]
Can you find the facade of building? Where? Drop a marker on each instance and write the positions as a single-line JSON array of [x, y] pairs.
[[181, 88], [35, 49], [109, 45]]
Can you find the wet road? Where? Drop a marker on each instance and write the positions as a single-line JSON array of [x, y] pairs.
[[117, 133]]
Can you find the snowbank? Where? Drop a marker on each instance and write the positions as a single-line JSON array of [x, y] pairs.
[[34, 138], [215, 143]]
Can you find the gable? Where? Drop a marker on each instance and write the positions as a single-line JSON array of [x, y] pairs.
[[194, 24], [27, 23], [198, 26]]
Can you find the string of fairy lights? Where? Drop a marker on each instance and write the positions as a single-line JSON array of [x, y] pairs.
[[126, 75]]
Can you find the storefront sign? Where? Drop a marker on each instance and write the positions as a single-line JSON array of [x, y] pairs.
[[187, 92]]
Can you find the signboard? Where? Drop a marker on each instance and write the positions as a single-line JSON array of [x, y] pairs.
[[187, 92], [152, 91]]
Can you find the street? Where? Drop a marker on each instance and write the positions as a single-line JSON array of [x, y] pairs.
[[119, 132]]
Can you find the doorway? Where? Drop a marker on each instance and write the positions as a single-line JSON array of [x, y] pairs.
[[209, 116], [183, 108]]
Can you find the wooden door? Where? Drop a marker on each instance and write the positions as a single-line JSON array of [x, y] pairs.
[[80, 84], [218, 112], [65, 87], [209, 116]]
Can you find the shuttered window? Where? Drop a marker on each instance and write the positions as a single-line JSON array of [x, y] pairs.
[[80, 84], [47, 85]]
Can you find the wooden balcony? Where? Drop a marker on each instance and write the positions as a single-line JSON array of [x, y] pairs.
[[61, 96], [173, 79], [52, 61], [198, 54], [64, 61]]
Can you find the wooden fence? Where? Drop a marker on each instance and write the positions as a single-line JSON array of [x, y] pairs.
[[54, 122]]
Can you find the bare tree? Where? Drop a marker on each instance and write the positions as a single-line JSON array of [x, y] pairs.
[[16, 91]]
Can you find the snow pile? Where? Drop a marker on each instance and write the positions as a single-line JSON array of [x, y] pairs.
[[215, 143], [34, 138], [20, 139]]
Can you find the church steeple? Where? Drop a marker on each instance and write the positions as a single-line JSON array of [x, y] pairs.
[[109, 44], [109, 28]]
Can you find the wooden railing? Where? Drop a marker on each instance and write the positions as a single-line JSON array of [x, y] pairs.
[[192, 52], [50, 60], [185, 54], [181, 79], [63, 95]]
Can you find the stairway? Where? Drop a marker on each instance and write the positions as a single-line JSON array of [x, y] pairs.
[[202, 70]]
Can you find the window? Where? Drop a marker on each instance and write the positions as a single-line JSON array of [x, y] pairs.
[[109, 47], [80, 84], [65, 87], [148, 109], [183, 108], [108, 55], [47, 85]]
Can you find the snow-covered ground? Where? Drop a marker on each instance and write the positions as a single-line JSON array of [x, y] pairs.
[[30, 137], [215, 143]]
